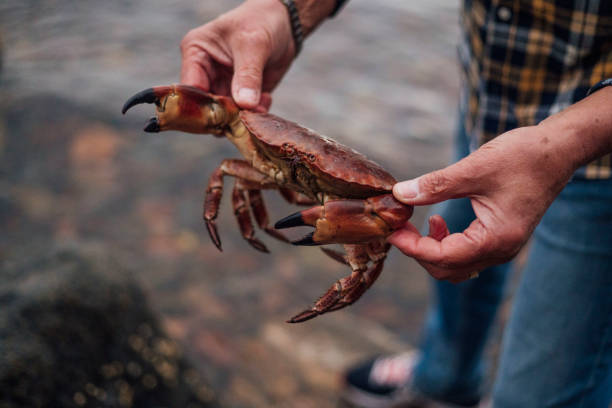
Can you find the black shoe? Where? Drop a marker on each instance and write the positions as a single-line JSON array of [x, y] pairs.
[[386, 382]]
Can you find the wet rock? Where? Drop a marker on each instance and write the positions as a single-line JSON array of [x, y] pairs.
[[76, 331]]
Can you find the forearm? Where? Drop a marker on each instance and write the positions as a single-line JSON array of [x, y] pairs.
[[583, 131]]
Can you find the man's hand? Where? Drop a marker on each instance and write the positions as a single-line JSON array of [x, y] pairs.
[[243, 53], [511, 181]]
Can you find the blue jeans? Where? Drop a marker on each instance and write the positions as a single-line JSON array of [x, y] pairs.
[[557, 347]]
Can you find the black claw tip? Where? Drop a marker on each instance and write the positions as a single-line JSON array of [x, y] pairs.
[[258, 245], [293, 220], [307, 240], [214, 235], [303, 316], [152, 126], [146, 96]]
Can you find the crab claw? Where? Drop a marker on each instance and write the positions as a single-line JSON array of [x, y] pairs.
[[185, 108], [293, 220], [146, 96], [350, 221], [306, 240], [152, 125]]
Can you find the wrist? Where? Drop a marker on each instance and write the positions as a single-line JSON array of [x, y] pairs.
[[311, 13], [314, 12], [272, 16], [584, 130]]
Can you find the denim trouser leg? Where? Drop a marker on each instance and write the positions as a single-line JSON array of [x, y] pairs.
[[459, 321], [557, 348], [458, 325]]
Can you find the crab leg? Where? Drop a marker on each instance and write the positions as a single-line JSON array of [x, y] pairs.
[[349, 289], [368, 278], [358, 258], [377, 252], [241, 210], [336, 256], [261, 214], [350, 221], [232, 167]]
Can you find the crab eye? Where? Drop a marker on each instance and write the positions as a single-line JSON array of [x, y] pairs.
[[311, 157]]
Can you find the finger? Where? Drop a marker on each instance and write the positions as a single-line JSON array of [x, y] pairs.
[[408, 227], [194, 73], [222, 82], [454, 181], [437, 228], [450, 275], [250, 56], [196, 63], [456, 251], [273, 75], [265, 101]]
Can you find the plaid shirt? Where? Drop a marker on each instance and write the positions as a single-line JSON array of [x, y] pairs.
[[525, 60]]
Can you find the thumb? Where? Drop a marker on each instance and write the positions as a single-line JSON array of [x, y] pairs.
[[440, 185], [249, 62]]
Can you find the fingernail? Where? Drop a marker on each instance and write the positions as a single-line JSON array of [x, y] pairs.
[[406, 189], [247, 95]]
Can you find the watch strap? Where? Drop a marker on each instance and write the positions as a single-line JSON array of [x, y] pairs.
[[296, 26]]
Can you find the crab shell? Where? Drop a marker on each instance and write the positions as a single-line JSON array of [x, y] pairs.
[[339, 170]]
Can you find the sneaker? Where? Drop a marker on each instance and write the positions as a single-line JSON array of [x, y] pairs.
[[386, 382]]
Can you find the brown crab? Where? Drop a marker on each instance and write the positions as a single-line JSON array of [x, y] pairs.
[[355, 205]]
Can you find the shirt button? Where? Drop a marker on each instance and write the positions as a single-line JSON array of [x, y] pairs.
[[504, 13]]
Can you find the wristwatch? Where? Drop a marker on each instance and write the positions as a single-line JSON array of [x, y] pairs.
[[296, 25]]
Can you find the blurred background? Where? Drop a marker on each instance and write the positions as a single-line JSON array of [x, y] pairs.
[[90, 205]]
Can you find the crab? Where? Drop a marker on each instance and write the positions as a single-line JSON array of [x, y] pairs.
[[350, 195]]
